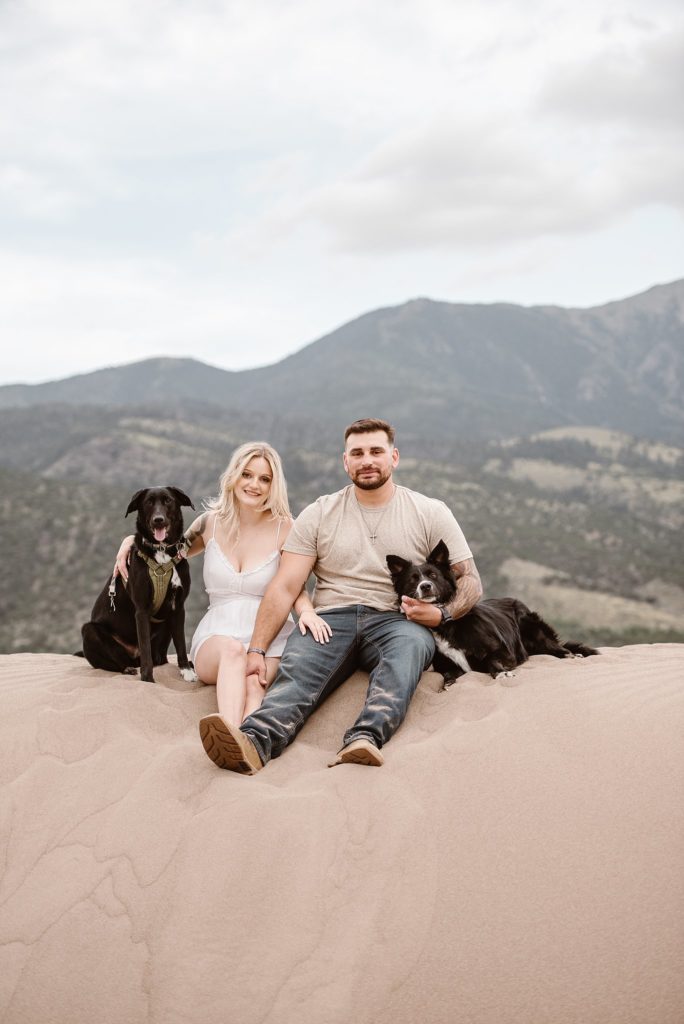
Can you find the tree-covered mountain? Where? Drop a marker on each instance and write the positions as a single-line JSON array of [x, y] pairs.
[[554, 435], [584, 524], [464, 371]]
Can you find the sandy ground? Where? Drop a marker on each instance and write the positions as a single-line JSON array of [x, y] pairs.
[[519, 858]]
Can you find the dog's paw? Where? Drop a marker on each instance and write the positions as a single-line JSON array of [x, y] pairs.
[[132, 671], [448, 683], [509, 679], [189, 675]]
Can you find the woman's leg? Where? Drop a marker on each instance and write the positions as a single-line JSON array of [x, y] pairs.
[[255, 691], [221, 660]]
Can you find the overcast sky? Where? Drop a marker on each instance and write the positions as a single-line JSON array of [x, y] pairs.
[[232, 180]]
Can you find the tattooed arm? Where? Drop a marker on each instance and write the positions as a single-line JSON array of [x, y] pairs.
[[469, 589], [193, 538], [194, 535]]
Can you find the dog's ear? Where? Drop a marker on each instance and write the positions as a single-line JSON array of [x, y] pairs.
[[396, 565], [134, 503], [440, 556], [181, 496]]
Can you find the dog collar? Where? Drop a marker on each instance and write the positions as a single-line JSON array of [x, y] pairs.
[[179, 546]]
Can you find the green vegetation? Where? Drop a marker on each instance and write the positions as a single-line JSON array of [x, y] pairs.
[[65, 518]]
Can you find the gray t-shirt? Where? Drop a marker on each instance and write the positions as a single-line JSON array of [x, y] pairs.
[[350, 566]]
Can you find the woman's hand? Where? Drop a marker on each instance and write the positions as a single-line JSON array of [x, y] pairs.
[[123, 557], [318, 627]]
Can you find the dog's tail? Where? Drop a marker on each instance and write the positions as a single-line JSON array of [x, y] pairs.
[[580, 649]]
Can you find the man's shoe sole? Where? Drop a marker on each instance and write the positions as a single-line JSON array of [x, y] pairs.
[[359, 752], [227, 747]]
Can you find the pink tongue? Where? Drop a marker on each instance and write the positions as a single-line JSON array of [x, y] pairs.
[[160, 534]]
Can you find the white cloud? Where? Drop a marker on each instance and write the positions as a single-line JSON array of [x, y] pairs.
[[588, 142], [241, 176], [638, 84]]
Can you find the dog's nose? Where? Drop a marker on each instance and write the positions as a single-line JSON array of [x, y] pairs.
[[157, 520], [425, 587]]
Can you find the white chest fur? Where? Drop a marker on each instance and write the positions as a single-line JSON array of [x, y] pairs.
[[455, 654]]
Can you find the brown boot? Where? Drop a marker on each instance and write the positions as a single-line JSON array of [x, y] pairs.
[[228, 747], [359, 752]]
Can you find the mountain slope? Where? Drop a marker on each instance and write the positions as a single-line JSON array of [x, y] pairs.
[[583, 525], [463, 371]]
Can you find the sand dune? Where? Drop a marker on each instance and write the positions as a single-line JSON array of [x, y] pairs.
[[519, 858]]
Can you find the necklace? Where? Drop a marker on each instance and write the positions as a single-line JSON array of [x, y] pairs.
[[377, 514]]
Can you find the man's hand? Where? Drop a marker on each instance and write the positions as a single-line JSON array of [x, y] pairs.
[[422, 612], [256, 666]]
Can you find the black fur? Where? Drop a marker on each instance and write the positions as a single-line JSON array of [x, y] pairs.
[[495, 636], [121, 634]]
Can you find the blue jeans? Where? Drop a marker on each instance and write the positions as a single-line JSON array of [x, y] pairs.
[[393, 650]]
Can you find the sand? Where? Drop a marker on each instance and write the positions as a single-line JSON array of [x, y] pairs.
[[519, 857]]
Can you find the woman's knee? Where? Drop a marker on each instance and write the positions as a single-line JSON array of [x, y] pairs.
[[228, 647], [253, 685], [215, 651]]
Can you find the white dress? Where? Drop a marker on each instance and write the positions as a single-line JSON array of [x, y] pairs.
[[234, 599]]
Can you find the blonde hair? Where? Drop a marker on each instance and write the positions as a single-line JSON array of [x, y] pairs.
[[225, 505]]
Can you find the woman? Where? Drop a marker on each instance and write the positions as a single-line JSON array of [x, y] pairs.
[[242, 534]]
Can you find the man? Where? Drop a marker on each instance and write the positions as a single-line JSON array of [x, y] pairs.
[[343, 539]]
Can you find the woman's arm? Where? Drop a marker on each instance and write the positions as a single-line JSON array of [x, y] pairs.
[[193, 537], [308, 619]]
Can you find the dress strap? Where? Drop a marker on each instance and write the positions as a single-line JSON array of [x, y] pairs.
[[213, 532]]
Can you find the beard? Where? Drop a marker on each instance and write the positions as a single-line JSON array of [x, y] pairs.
[[370, 483]]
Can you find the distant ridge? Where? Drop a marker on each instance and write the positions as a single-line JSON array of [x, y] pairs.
[[482, 371], [155, 378]]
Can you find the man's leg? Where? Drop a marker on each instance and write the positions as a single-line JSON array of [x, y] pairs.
[[396, 652], [308, 673]]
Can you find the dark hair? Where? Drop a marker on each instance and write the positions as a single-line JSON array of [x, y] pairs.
[[368, 426]]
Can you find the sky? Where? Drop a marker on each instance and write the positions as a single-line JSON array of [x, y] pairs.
[[230, 180]]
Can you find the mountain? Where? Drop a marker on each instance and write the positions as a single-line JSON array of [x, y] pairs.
[[152, 380], [463, 371], [554, 435]]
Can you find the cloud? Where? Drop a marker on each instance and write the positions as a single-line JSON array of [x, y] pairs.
[[571, 151], [68, 316], [460, 184], [637, 85], [237, 176], [36, 196]]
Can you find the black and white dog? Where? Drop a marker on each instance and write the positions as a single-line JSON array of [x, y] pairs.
[[494, 637], [132, 624]]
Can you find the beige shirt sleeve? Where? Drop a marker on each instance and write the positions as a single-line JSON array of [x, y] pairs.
[[443, 526], [303, 537]]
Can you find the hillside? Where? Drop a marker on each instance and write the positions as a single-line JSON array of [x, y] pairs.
[[466, 371], [554, 435], [582, 524]]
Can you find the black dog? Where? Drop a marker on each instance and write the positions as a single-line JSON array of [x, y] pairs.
[[132, 624], [495, 636]]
